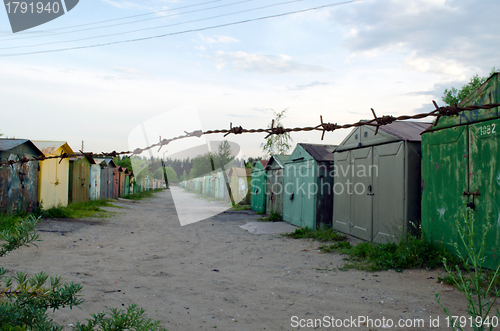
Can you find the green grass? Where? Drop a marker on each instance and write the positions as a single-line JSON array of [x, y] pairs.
[[239, 207], [407, 254], [275, 216], [8, 222], [88, 209], [142, 195], [321, 234]]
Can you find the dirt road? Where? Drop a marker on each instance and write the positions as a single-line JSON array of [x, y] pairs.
[[214, 274]]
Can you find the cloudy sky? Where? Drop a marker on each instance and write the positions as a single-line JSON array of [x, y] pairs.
[[338, 61]]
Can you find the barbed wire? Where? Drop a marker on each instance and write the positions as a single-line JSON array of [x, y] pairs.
[[324, 127]]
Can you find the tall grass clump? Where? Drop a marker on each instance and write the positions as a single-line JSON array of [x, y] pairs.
[[321, 234], [412, 252], [26, 300], [142, 195], [477, 285]]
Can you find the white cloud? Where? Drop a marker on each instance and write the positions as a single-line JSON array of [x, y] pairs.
[[264, 64], [437, 36], [132, 71], [218, 39], [305, 86], [123, 4]]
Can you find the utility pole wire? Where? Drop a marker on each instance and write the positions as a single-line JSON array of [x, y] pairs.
[[157, 27], [110, 20], [119, 24], [181, 32]]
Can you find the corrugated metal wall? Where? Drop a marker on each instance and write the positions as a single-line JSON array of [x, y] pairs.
[[79, 177], [19, 183]]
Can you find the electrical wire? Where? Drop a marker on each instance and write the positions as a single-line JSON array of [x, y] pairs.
[[126, 17], [155, 27], [184, 31], [125, 23]]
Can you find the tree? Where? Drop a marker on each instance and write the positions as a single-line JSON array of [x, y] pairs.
[[223, 155], [25, 300], [184, 176], [171, 175], [455, 96], [277, 144]]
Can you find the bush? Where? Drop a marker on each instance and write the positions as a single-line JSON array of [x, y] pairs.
[[479, 287], [25, 300], [412, 252], [321, 234]]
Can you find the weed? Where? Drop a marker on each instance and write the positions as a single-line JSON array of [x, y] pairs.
[[239, 207], [476, 284], [410, 253], [142, 195], [8, 222], [447, 279], [321, 234], [342, 247], [275, 216], [27, 299]]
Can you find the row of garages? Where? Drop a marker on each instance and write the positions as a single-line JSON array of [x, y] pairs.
[[218, 184], [407, 178], [57, 182]]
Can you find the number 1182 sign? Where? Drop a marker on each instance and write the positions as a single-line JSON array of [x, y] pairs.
[[24, 15]]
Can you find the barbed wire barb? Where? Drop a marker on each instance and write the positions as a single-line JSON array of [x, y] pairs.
[[376, 122]]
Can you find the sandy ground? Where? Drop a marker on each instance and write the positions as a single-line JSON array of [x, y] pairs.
[[214, 274]]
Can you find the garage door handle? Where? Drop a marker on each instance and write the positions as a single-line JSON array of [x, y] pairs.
[[370, 193], [473, 193]]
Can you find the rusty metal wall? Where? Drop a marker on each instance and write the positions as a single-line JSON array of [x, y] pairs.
[[121, 178], [95, 182], [19, 183], [79, 177], [274, 191], [460, 167], [116, 182], [106, 182]]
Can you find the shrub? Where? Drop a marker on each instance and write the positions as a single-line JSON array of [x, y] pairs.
[[477, 285], [25, 300]]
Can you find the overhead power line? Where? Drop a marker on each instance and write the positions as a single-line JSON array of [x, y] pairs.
[[184, 31], [125, 17], [157, 27], [125, 23]]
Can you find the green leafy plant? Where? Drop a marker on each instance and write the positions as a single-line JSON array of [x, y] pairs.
[[321, 234], [278, 144], [142, 195], [478, 288], [411, 252], [133, 318], [240, 207], [275, 216], [26, 299], [455, 96]]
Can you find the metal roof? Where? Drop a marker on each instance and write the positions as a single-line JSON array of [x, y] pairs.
[[90, 159], [8, 144], [279, 159], [240, 172], [108, 162], [48, 147], [408, 131], [320, 152]]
